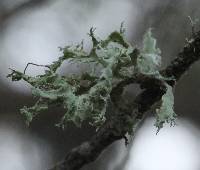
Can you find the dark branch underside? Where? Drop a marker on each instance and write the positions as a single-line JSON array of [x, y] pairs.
[[116, 127]]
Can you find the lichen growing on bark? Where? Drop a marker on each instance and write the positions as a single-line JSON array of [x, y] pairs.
[[111, 59]]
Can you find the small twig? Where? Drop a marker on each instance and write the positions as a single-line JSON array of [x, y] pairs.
[[122, 29], [126, 140], [39, 65], [91, 34]]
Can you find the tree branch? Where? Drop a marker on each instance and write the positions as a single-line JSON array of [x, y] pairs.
[[116, 127], [189, 55]]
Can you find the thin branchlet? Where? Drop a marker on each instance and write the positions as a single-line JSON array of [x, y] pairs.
[[39, 65]]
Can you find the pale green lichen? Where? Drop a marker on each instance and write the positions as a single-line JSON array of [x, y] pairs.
[[165, 113], [86, 96], [149, 60], [81, 103]]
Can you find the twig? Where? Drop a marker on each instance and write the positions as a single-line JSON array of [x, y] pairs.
[[34, 65]]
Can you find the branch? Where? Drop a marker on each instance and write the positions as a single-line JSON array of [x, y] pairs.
[[116, 128], [188, 56], [39, 65]]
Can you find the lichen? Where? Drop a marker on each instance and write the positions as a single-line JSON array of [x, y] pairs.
[[165, 112], [114, 58], [149, 60]]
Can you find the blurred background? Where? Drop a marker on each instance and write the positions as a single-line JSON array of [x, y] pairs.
[[32, 31]]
